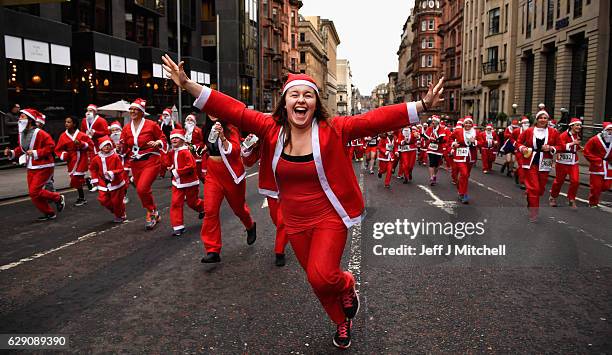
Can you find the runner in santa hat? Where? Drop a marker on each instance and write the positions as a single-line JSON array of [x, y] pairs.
[[537, 145], [355, 151], [107, 173], [519, 173], [167, 124], [93, 125], [74, 147], [507, 148], [225, 179], [115, 136], [371, 151], [407, 151], [185, 182], [446, 147], [451, 153], [387, 154], [195, 140], [303, 162], [465, 147], [488, 147], [567, 164], [436, 138], [35, 150], [422, 154], [144, 141], [598, 151]]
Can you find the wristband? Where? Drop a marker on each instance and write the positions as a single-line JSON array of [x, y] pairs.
[[424, 105]]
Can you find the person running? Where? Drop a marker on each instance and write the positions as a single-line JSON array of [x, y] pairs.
[[387, 154], [195, 140], [167, 125], [407, 152], [74, 147], [107, 173], [598, 151], [115, 136], [144, 141], [436, 139], [488, 148], [507, 148], [371, 152], [519, 172], [465, 146], [567, 164], [35, 151], [303, 161]]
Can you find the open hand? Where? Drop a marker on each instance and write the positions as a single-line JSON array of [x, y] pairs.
[[174, 71], [434, 95]]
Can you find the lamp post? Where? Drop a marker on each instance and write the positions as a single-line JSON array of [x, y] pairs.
[[514, 107]]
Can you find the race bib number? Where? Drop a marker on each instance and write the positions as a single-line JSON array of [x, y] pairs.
[[462, 152], [546, 165], [566, 158], [433, 146], [389, 146]]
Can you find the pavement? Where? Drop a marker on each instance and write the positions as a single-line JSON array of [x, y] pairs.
[[116, 288]]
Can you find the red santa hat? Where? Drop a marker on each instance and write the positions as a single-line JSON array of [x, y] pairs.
[[607, 125], [459, 123], [299, 79], [167, 111], [489, 125], [542, 113], [574, 121], [177, 133], [115, 124], [468, 118], [525, 119], [435, 118], [104, 140], [541, 106], [92, 107], [140, 104], [34, 114], [191, 117]]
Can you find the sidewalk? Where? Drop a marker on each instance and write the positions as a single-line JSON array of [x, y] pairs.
[[13, 182]]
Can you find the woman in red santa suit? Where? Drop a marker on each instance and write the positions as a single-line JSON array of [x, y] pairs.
[[387, 153], [537, 145], [488, 148], [185, 182], [598, 151], [407, 152], [567, 164], [94, 126], [304, 163], [519, 173], [144, 141], [195, 140], [107, 173], [371, 152], [74, 147], [465, 147], [35, 150], [225, 178], [436, 138]]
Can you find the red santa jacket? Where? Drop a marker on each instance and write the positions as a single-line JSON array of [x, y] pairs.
[[407, 140], [464, 152], [232, 157], [357, 142], [147, 131], [599, 156], [435, 139], [334, 167], [184, 168], [41, 146], [387, 147], [107, 171], [197, 140], [566, 154], [77, 157], [98, 125], [527, 139], [491, 143]]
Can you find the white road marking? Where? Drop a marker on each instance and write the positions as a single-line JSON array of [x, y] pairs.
[[252, 174], [601, 204], [446, 206], [490, 188], [354, 265], [582, 231], [265, 203]]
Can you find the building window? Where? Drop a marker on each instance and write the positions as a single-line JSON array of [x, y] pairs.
[[549, 14], [451, 101], [430, 61], [535, 13], [431, 25], [558, 8], [451, 73], [303, 57], [429, 79], [550, 78], [293, 41], [528, 17], [293, 66], [494, 21], [423, 26], [423, 61], [493, 103], [302, 37], [430, 42], [577, 8], [506, 19], [424, 43]]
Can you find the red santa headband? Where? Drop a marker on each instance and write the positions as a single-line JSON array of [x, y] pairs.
[[299, 79], [191, 117], [435, 118], [35, 115], [177, 133], [92, 107], [525, 120], [104, 140], [468, 119], [115, 124], [489, 125], [139, 104], [607, 125]]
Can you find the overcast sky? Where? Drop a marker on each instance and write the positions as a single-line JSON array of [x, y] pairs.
[[370, 34]]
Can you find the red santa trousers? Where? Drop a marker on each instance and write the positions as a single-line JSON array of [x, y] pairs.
[[359, 152], [77, 181], [519, 170], [407, 160], [113, 201], [220, 184], [145, 172], [189, 195], [281, 237], [386, 167], [488, 157], [563, 170], [598, 185], [463, 176], [37, 178], [535, 182], [319, 251]]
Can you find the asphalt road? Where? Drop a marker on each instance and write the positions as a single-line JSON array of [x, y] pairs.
[[120, 289]]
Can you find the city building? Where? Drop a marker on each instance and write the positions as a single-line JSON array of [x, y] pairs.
[[404, 70], [345, 88], [391, 84], [451, 31], [380, 95], [562, 59]]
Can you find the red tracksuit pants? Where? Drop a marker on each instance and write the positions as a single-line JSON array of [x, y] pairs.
[[37, 178], [488, 157], [189, 195], [386, 167], [407, 160], [563, 170], [319, 251], [519, 169], [463, 176], [145, 172], [535, 182], [219, 185], [598, 184], [281, 236], [113, 201]]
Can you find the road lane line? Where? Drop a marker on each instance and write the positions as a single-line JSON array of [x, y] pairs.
[[264, 203], [490, 188], [252, 174], [354, 265], [582, 231], [601, 206], [446, 206]]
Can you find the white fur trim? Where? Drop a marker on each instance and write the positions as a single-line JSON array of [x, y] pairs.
[[413, 114], [203, 97], [177, 135], [300, 82]]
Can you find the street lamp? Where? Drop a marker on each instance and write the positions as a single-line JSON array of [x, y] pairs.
[[514, 107]]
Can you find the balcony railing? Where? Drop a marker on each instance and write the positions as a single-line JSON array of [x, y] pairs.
[[494, 67]]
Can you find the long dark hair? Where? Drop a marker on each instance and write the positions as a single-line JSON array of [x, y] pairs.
[[280, 116]]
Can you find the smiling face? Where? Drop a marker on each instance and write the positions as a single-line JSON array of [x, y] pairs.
[[135, 114], [69, 123], [542, 121], [300, 103], [176, 142], [467, 125], [106, 148]]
